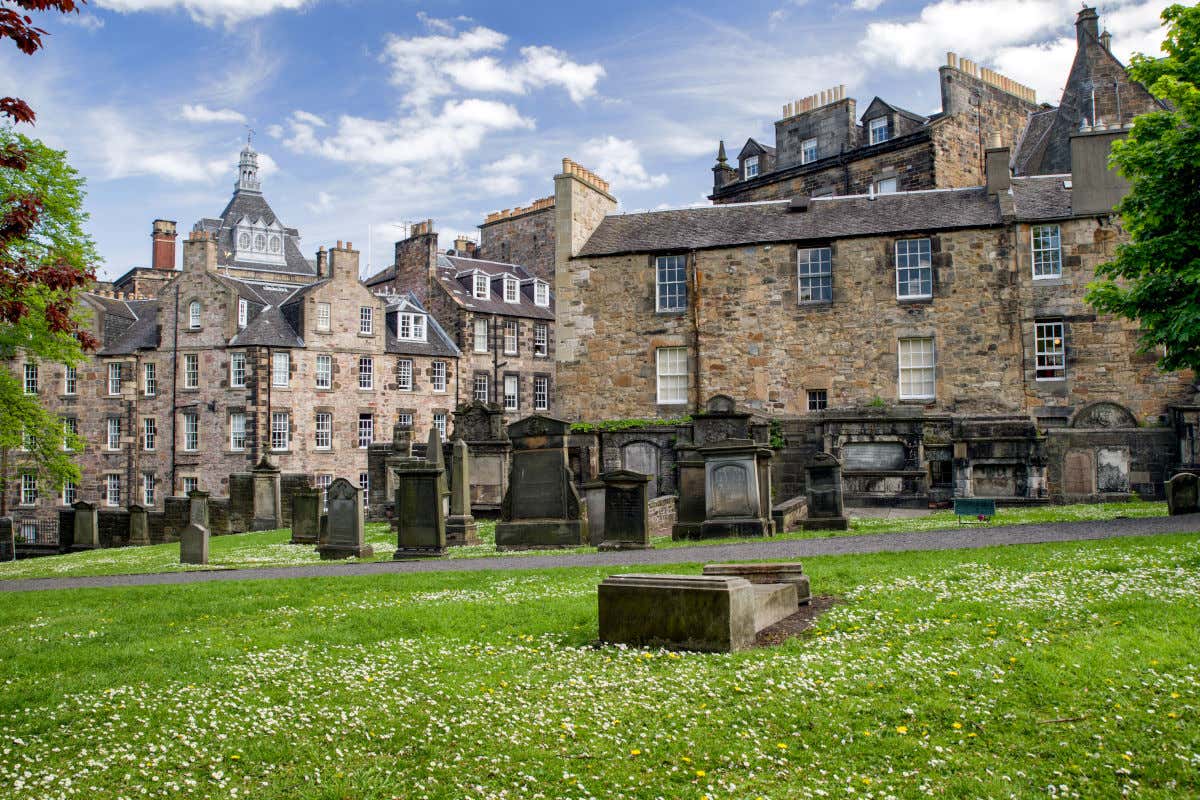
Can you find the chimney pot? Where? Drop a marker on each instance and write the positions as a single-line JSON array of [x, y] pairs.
[[162, 252]]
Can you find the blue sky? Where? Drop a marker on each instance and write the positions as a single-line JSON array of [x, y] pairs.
[[374, 112]]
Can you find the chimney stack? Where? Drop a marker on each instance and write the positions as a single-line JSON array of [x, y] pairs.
[[996, 165], [322, 262], [162, 252], [200, 252], [1087, 23]]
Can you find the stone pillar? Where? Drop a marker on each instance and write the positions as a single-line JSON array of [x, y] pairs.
[[461, 528], [193, 541], [434, 455], [87, 526], [306, 516], [266, 497], [139, 527]]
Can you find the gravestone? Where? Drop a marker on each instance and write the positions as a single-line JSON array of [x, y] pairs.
[[1183, 494], [482, 428], [737, 489], [689, 501], [626, 511], [643, 457], [823, 479], [193, 541], [306, 516], [593, 495], [345, 536], [8, 540], [436, 456], [1112, 470], [1079, 474], [541, 507], [139, 526], [267, 515], [461, 528], [87, 526], [401, 451], [420, 519]]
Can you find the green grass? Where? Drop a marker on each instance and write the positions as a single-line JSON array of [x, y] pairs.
[[271, 548], [1046, 670]]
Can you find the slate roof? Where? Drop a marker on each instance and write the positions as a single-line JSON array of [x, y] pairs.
[[914, 117], [129, 325], [1031, 145], [754, 148], [452, 276], [252, 204], [1042, 197], [267, 329], [827, 218], [437, 341]]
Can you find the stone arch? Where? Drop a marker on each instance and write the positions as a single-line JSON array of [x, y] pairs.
[[1103, 414]]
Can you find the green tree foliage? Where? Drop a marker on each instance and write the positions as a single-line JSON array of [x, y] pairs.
[[1155, 277]]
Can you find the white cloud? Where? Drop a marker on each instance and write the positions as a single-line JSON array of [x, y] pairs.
[[503, 177], [208, 12], [866, 5], [202, 113], [619, 162], [89, 22], [324, 203]]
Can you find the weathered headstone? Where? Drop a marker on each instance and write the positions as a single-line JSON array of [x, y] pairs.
[[541, 508], [193, 541], [267, 513], [1183, 494], [139, 526], [482, 428], [737, 489], [626, 511], [1079, 474], [306, 516], [823, 479], [593, 495], [345, 537], [435, 456], [8, 540], [461, 528], [420, 521], [87, 526], [689, 503]]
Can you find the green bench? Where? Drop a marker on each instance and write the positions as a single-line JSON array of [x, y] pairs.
[[974, 509]]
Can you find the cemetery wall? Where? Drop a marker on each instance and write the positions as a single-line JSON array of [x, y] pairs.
[[1094, 465]]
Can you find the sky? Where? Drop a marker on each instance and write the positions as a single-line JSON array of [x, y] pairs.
[[369, 114]]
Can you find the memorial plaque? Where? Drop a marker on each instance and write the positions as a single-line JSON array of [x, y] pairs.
[[139, 527], [193, 544], [487, 479], [623, 509], [640, 457], [873, 456], [306, 516], [626, 511], [1183, 494], [994, 480], [87, 526], [1079, 473], [731, 493], [538, 487], [1112, 470]]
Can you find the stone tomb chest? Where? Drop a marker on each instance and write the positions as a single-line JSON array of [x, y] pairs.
[[737, 489], [541, 507]]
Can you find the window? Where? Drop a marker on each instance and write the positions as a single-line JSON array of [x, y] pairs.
[[323, 482], [29, 532], [149, 433], [511, 332], [366, 320], [364, 483], [541, 293], [70, 381], [191, 432], [237, 370], [672, 375], [482, 287], [512, 290], [281, 365], [190, 485], [671, 280], [541, 393], [481, 393], [148, 486], [814, 275], [112, 490], [29, 492], [404, 374], [324, 431], [27, 440], [541, 339], [191, 371], [437, 375], [324, 372], [885, 186], [366, 430], [323, 317], [114, 379], [366, 372], [404, 420], [914, 269], [808, 151], [818, 399], [511, 400], [281, 430], [879, 130], [917, 378], [70, 492], [410, 327], [149, 380], [114, 434], [750, 167], [70, 431], [194, 315], [1047, 251], [237, 430], [1049, 343], [243, 312], [439, 422], [481, 336], [31, 379]]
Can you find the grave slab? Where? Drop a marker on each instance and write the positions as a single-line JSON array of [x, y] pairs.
[[689, 612]]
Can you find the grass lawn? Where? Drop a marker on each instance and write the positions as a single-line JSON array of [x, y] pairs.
[[1045, 670], [271, 548]]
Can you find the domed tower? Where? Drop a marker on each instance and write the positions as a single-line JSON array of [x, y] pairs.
[[248, 170]]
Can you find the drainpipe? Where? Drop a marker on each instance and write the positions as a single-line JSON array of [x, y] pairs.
[[175, 396], [695, 272]]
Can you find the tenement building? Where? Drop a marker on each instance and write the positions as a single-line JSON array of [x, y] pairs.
[[935, 340]]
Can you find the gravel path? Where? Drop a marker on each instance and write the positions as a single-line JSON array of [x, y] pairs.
[[950, 539]]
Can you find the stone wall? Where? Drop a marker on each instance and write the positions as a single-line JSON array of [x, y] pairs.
[[647, 450], [1097, 465], [522, 236]]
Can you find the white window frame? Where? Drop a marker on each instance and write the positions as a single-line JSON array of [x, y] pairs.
[[194, 315], [149, 379], [281, 368], [439, 422], [541, 294], [112, 439], [541, 393], [323, 317], [814, 275], [750, 167], [191, 432], [921, 269], [281, 431], [512, 337], [481, 387], [404, 420], [541, 339], [323, 431], [324, 374], [70, 380], [410, 327], [670, 283], [243, 312], [70, 492], [29, 489], [366, 373], [364, 483], [31, 379], [149, 434], [237, 431], [189, 481], [889, 185], [668, 363], [191, 370], [322, 482], [112, 489], [1045, 248], [366, 321], [114, 378], [805, 147], [437, 376], [366, 431], [148, 488], [70, 428], [512, 290], [907, 366], [237, 370], [512, 393], [404, 374], [482, 335], [878, 129], [481, 287], [1050, 350]]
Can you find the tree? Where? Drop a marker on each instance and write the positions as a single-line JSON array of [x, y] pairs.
[[1155, 277]]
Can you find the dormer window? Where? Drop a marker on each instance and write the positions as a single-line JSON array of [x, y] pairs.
[[750, 167], [541, 293], [410, 327], [808, 151], [243, 312], [878, 128], [482, 287], [512, 290], [194, 315], [258, 241]]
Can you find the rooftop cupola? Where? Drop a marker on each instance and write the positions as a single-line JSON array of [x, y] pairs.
[[248, 169]]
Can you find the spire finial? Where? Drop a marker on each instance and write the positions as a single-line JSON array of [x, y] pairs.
[[721, 159], [248, 166]]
